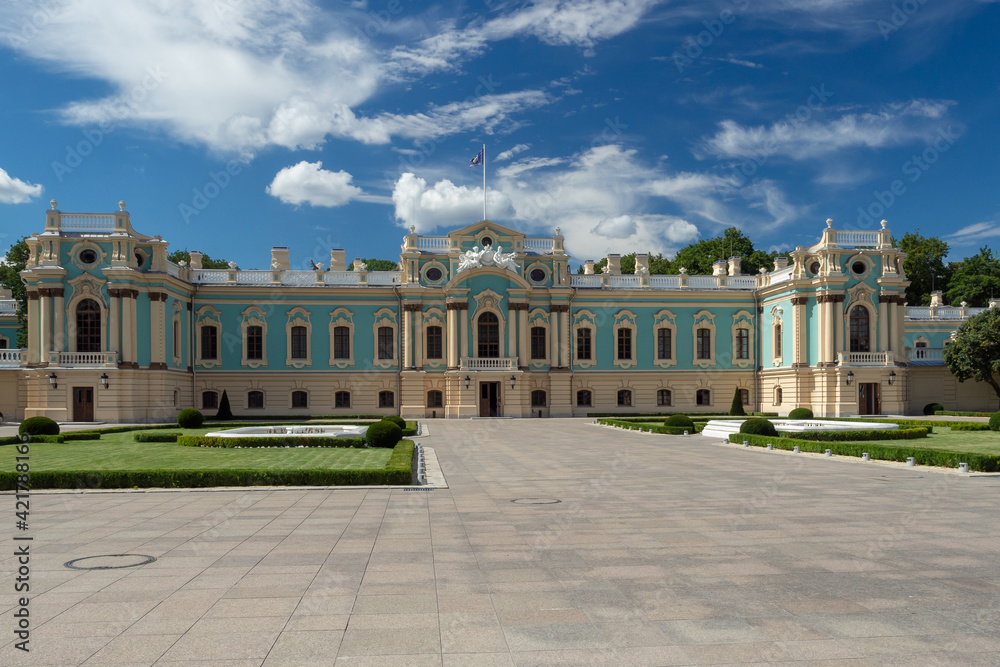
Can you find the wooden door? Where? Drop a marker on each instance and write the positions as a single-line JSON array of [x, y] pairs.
[[489, 399], [868, 398], [83, 404]]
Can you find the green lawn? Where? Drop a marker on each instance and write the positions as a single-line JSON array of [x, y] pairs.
[[119, 451], [978, 442]]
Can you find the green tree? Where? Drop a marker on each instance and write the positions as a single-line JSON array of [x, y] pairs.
[[698, 257], [658, 264], [924, 266], [10, 277], [736, 409], [975, 279], [975, 353], [206, 262], [377, 265]]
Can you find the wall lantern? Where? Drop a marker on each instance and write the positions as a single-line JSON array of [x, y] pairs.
[[512, 381], [52, 381], [892, 377], [850, 378], [468, 380], [104, 380]]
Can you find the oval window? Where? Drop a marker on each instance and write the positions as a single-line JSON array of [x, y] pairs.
[[814, 268], [538, 275], [487, 242], [139, 259], [433, 273], [859, 267], [88, 256]]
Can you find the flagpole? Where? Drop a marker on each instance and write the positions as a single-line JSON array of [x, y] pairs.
[[484, 181]]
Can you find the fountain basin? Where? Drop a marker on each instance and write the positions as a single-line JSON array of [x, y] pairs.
[[299, 431], [719, 428]]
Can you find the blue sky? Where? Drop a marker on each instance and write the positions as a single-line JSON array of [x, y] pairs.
[[229, 126]]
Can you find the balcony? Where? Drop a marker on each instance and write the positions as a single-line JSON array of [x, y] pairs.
[[12, 358], [925, 356], [865, 358], [488, 363], [84, 359]]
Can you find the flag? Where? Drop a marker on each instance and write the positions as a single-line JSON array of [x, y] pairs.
[[478, 160]]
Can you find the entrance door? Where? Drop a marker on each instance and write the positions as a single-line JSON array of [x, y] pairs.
[[489, 399], [83, 404], [868, 398]]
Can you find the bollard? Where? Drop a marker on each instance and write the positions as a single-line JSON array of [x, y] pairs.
[[746, 445], [963, 467], [910, 461], [828, 453], [685, 432], [795, 449], [770, 446], [865, 456]]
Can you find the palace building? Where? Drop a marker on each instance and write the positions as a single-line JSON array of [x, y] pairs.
[[483, 321]]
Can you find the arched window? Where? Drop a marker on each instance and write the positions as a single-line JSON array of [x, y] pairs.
[[584, 398], [255, 399], [664, 397], [386, 399], [538, 346], [342, 399], [777, 340], [859, 329], [341, 343], [777, 395], [489, 336], [625, 397], [703, 397], [209, 400], [88, 326], [300, 399], [538, 398], [435, 399]]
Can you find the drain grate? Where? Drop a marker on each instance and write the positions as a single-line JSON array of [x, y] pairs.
[[535, 501], [110, 562]]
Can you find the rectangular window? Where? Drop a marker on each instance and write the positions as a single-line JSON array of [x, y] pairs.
[[703, 397], [538, 398], [583, 344], [742, 343], [538, 343], [255, 399], [209, 342], [300, 399], [777, 340], [663, 397], [3, 343], [704, 344], [386, 399], [745, 396], [435, 399], [663, 343], [624, 343], [255, 343], [209, 400], [341, 343], [624, 398], [584, 398], [385, 343], [435, 343], [342, 399], [300, 343]]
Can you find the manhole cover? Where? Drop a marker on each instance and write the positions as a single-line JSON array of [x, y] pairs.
[[109, 562], [535, 501]]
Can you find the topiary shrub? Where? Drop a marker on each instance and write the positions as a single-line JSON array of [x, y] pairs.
[[995, 421], [680, 421], [758, 426], [931, 408], [736, 409], [224, 412], [190, 418], [383, 434], [398, 421], [800, 413], [38, 426]]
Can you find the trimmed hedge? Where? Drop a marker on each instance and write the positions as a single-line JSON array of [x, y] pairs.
[[398, 421], [10, 440], [853, 436], [38, 426], [800, 413], [82, 435], [398, 471], [48, 438], [957, 413], [968, 426], [383, 434], [251, 441], [995, 421], [156, 437], [664, 415], [758, 426], [681, 421], [927, 457], [650, 428], [190, 418]]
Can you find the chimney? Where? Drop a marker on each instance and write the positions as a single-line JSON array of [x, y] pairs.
[[338, 259], [614, 265], [719, 268], [588, 267], [936, 300], [195, 260], [780, 263], [642, 264], [734, 266], [279, 259]]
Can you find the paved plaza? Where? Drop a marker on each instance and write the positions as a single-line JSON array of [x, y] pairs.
[[557, 542]]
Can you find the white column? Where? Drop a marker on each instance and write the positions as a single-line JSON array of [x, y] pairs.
[[463, 323], [452, 337], [511, 331], [554, 337], [801, 355], [45, 323], [157, 329], [114, 327], [838, 328]]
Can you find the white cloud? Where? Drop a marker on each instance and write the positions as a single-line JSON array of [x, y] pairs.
[[622, 226], [15, 191], [521, 166], [508, 154], [444, 204], [973, 234], [892, 125], [309, 183]]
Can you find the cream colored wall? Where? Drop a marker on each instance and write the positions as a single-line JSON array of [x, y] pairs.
[[935, 384], [9, 393]]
